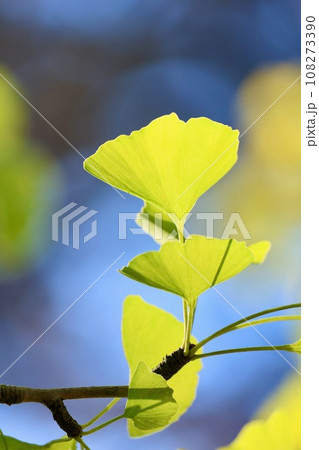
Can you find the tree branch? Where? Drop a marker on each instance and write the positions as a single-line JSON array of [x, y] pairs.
[[53, 399], [64, 419], [18, 394]]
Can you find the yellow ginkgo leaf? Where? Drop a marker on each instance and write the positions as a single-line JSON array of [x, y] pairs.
[[150, 403], [169, 163], [149, 333], [189, 269]]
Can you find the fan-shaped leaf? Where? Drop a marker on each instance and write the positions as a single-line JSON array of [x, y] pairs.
[[169, 163], [149, 333], [189, 269], [150, 401]]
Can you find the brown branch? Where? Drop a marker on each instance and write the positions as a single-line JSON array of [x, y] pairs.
[[64, 419], [53, 399], [18, 394]]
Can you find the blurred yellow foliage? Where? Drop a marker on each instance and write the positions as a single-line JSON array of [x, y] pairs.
[[265, 185], [13, 114], [277, 426], [24, 182], [274, 141]]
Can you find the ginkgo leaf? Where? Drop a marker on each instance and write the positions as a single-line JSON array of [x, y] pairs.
[[156, 223], [150, 402], [189, 269], [149, 333], [169, 163], [9, 443]]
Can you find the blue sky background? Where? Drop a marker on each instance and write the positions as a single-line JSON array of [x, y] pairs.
[[96, 70]]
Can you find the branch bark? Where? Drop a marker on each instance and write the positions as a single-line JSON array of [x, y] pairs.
[[18, 394]]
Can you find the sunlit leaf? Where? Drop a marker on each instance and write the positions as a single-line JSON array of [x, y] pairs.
[[150, 401], [149, 333], [189, 269], [169, 163], [156, 223], [9, 443], [260, 251]]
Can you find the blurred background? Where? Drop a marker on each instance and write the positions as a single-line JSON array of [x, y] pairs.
[[99, 69]]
